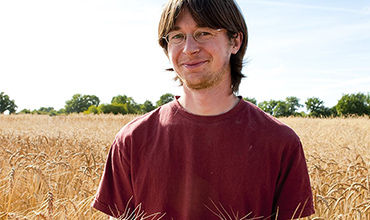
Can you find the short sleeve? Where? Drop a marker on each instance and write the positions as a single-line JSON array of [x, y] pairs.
[[293, 197], [115, 192]]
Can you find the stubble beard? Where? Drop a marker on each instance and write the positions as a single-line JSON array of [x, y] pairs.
[[209, 80]]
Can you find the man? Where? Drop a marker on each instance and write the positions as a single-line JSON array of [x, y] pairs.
[[208, 154]]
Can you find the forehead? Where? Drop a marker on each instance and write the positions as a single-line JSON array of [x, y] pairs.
[[185, 20]]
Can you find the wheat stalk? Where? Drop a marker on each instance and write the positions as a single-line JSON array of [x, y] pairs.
[[51, 166]]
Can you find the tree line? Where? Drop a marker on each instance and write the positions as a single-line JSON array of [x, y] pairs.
[[350, 104], [89, 104]]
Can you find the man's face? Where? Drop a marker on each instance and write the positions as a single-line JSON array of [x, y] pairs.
[[200, 65]]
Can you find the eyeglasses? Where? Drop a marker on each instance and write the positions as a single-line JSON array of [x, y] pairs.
[[200, 35]]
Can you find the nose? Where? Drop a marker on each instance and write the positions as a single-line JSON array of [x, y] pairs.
[[191, 46]]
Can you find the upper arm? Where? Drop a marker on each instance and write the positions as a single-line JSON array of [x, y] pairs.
[[293, 194], [115, 191]]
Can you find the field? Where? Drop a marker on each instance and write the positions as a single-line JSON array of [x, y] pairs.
[[50, 166]]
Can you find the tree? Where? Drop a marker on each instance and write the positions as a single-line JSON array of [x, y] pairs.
[[293, 105], [123, 99], [132, 106], [80, 103], [268, 106], [333, 111], [25, 111], [147, 106], [316, 108], [282, 109], [357, 104], [251, 100], [114, 108], [6, 104], [166, 98], [92, 110], [45, 111]]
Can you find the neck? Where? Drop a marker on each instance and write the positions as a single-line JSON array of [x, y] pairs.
[[207, 102]]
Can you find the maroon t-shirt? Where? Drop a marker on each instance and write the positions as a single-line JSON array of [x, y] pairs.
[[190, 167]]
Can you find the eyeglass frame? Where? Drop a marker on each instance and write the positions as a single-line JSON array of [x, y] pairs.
[[193, 35]]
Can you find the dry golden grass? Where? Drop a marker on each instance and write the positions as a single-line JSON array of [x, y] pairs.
[[338, 159], [50, 166]]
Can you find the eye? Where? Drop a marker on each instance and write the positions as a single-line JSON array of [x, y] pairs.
[[176, 37], [204, 34]]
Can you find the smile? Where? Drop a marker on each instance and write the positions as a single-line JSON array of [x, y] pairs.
[[194, 64]]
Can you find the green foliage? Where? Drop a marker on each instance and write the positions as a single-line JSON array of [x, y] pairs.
[[316, 108], [92, 110], [123, 99], [80, 103], [354, 104], [164, 99], [147, 106], [25, 111], [121, 104], [293, 105], [252, 100], [45, 111], [6, 104], [114, 108], [333, 111], [268, 106], [280, 108], [349, 104], [131, 105]]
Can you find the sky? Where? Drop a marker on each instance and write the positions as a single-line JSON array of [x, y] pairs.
[[51, 50]]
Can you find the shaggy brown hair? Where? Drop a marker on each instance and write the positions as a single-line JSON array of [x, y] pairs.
[[215, 14]]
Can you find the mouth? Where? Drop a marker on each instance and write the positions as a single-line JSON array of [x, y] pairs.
[[193, 64]]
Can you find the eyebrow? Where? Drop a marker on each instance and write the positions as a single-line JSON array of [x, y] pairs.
[[177, 28]]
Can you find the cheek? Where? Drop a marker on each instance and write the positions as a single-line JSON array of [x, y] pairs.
[[172, 56], [221, 55]]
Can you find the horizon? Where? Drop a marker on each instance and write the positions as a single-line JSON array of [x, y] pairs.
[[300, 109], [51, 50]]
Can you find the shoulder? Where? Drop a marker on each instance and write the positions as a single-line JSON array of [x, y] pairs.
[[268, 125], [148, 122]]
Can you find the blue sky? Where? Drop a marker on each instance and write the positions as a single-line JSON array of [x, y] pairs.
[[50, 50]]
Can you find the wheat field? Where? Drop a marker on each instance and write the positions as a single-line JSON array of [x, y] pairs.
[[50, 167]]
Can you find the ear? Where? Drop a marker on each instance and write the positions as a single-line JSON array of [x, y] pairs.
[[237, 43]]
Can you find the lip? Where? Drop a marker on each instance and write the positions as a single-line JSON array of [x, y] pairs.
[[193, 64]]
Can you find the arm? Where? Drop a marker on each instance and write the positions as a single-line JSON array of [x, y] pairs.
[[115, 190], [293, 186]]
